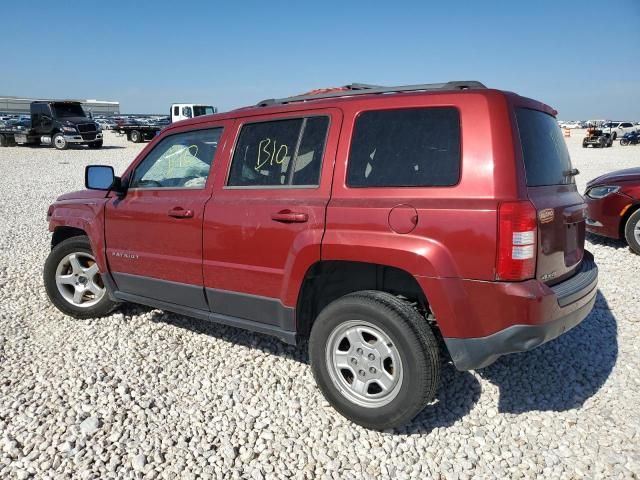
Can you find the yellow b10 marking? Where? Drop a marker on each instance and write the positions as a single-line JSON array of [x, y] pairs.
[[269, 156]]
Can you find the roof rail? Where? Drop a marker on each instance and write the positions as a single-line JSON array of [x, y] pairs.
[[366, 89]]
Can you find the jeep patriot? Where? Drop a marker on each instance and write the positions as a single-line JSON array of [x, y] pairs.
[[381, 223]]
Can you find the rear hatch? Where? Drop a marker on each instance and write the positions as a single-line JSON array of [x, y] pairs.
[[552, 190]]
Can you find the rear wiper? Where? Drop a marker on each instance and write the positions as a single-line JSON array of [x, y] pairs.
[[571, 173]]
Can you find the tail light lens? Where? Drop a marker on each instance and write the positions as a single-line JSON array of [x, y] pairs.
[[517, 241]]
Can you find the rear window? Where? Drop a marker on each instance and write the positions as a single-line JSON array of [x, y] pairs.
[[546, 158], [418, 147]]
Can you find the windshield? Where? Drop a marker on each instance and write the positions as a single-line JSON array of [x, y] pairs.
[[546, 158], [202, 110], [66, 110]]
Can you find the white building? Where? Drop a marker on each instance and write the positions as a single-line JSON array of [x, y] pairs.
[[21, 105]]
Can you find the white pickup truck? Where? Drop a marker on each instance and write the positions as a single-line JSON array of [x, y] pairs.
[[182, 111]]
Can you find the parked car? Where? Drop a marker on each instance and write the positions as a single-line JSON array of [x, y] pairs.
[[618, 129], [372, 220], [613, 202]]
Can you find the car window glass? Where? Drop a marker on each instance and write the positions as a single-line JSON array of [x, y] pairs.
[[266, 151], [186, 112], [545, 153], [309, 156], [418, 147], [182, 160]]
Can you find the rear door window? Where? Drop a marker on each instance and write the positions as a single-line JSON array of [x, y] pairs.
[[279, 153], [546, 158], [417, 147]]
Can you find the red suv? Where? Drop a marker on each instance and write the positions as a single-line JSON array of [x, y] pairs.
[[372, 220]]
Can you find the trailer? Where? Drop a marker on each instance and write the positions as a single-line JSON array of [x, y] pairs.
[[58, 123], [137, 133]]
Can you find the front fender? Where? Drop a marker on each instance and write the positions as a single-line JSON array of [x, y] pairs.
[[85, 216]]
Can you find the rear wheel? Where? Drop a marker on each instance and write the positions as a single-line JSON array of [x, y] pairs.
[[136, 136], [632, 232], [59, 142], [624, 141], [73, 282], [584, 144], [615, 135], [601, 142], [375, 359]]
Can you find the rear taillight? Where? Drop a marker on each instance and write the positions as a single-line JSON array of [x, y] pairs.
[[517, 241]]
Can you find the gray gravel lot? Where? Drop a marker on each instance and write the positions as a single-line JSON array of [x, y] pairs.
[[148, 394]]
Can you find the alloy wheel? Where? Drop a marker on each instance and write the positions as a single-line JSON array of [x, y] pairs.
[[364, 364], [78, 280]]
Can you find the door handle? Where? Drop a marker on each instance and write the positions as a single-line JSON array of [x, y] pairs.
[[287, 216], [179, 212]]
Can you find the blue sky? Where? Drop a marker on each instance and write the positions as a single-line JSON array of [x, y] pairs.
[[581, 57]]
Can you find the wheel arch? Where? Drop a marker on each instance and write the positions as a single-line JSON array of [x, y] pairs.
[[64, 232], [68, 220], [328, 280]]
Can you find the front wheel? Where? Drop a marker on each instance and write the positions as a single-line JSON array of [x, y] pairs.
[[60, 142], [97, 144], [632, 232], [73, 282], [375, 359], [624, 142], [136, 136]]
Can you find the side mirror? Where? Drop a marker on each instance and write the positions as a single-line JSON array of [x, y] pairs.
[[99, 177]]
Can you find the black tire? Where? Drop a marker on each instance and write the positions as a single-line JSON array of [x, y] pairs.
[[136, 136], [59, 142], [614, 135], [96, 145], [409, 335], [79, 244], [584, 144], [633, 225], [3, 141], [601, 142], [624, 142]]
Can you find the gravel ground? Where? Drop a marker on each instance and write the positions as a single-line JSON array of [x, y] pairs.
[[146, 394]]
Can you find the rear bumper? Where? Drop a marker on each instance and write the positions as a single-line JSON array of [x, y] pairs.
[[550, 311]]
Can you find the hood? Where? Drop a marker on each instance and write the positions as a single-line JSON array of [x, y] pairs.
[[82, 194], [627, 175]]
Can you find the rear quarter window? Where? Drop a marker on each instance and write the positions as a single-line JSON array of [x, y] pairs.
[[417, 147], [546, 158]]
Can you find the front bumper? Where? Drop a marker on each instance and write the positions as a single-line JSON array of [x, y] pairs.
[[573, 299], [604, 214], [83, 137]]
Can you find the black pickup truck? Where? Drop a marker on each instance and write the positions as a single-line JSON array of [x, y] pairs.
[[57, 123]]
